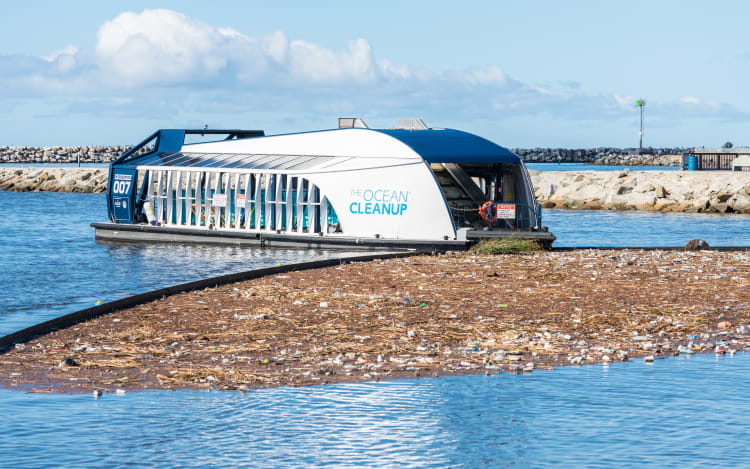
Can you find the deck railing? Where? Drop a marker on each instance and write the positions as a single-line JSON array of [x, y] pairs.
[[234, 201], [526, 216]]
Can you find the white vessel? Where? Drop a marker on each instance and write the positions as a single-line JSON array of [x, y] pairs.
[[410, 186]]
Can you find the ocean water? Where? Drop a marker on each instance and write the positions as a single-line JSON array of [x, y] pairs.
[[591, 228], [50, 264], [678, 412]]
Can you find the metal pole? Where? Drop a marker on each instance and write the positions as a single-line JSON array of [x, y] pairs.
[[641, 103], [641, 133]]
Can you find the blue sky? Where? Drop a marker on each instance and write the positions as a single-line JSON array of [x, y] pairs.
[[524, 74]]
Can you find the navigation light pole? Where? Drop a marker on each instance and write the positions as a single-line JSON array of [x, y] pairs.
[[641, 103]]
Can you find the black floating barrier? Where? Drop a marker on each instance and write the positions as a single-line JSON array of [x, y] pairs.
[[24, 335]]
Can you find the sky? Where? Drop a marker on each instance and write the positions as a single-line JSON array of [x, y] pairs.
[[522, 74]]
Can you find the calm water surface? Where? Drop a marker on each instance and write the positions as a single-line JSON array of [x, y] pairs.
[[677, 412], [634, 228], [50, 264], [674, 413]]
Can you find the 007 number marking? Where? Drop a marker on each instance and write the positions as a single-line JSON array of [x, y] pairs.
[[120, 187]]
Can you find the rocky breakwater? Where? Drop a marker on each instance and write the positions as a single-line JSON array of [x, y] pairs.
[[53, 179], [58, 154], [591, 155], [641, 160], [672, 191]]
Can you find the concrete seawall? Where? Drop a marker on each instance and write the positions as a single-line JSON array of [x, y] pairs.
[[673, 191]]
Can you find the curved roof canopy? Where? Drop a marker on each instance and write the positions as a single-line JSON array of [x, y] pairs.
[[452, 146], [343, 148]]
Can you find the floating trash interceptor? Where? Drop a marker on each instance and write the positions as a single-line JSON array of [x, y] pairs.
[[410, 186]]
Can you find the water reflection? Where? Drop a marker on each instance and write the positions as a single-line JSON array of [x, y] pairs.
[[50, 264], [633, 228], [675, 413]]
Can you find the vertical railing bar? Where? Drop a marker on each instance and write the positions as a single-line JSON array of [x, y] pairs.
[[257, 201], [289, 203], [300, 205], [279, 200], [155, 193], [178, 198], [227, 201], [216, 210], [269, 178], [236, 201], [246, 204], [189, 198], [207, 199], [198, 198], [170, 204]]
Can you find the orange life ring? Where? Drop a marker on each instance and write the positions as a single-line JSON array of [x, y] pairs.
[[487, 212]]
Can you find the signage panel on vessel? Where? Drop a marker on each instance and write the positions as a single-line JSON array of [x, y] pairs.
[[122, 194], [379, 201], [505, 211]]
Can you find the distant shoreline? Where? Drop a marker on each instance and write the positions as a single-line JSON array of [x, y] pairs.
[[107, 153]]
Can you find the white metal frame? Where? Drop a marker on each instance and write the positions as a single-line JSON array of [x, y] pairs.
[[255, 202]]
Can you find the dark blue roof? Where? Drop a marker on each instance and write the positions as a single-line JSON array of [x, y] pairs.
[[452, 146]]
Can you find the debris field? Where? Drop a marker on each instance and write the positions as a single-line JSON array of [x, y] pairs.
[[421, 316]]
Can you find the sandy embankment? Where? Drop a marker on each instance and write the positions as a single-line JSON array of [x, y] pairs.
[[421, 316]]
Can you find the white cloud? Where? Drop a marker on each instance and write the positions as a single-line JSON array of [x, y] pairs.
[[67, 50], [165, 62], [160, 46], [625, 102], [690, 100], [391, 71], [694, 106], [276, 46], [311, 62], [492, 75]]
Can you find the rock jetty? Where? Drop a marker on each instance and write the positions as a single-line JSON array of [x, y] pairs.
[[669, 191], [641, 160], [87, 154], [105, 154], [37, 179], [592, 155]]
